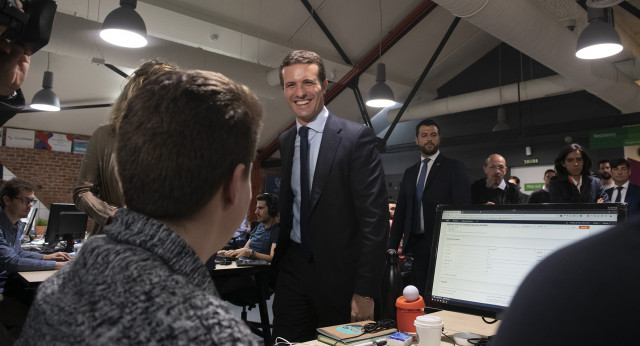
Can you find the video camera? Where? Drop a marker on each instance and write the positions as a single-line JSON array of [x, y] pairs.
[[31, 28]]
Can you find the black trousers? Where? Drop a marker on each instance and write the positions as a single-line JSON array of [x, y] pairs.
[[419, 248], [301, 304]]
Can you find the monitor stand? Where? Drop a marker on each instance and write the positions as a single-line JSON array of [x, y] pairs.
[[69, 239]]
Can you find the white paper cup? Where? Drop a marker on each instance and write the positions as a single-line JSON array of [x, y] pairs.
[[429, 330]]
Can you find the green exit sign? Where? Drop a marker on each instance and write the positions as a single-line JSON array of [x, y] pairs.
[[530, 161]]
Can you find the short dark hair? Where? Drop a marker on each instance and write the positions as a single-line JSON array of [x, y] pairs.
[[621, 161], [603, 161], [565, 151], [181, 138], [12, 189], [427, 122], [514, 178], [303, 57], [549, 171]]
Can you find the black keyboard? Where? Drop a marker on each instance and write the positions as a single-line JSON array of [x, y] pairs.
[[244, 262]]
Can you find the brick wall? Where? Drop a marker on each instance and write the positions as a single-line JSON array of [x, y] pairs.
[[258, 175], [53, 173]]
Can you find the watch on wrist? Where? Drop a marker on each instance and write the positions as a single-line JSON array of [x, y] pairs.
[[253, 254]]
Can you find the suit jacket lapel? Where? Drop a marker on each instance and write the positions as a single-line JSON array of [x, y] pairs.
[[413, 180], [435, 167], [289, 142], [331, 137]]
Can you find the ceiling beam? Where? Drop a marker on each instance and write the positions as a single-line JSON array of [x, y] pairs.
[[415, 88]]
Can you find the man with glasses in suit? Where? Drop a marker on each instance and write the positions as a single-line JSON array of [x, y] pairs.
[[494, 189]]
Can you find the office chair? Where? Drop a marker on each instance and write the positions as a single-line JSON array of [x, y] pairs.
[[247, 299]]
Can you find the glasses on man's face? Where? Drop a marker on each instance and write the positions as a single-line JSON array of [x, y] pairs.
[[498, 167], [27, 200]]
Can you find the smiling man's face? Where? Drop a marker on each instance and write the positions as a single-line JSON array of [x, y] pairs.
[[304, 91]]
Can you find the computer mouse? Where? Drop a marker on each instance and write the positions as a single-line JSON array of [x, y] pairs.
[[461, 338]]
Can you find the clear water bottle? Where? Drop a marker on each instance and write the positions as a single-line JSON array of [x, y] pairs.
[[391, 286]]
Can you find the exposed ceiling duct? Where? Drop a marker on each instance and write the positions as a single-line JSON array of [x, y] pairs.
[[529, 90], [528, 29]]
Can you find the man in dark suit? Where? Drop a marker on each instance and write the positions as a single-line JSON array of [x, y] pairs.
[[330, 255], [624, 191], [439, 180], [543, 195], [494, 189]]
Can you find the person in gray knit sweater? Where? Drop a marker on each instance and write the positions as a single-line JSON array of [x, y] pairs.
[[185, 147]]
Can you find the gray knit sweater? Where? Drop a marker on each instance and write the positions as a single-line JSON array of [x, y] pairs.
[[139, 284]]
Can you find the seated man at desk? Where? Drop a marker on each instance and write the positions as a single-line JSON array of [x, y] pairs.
[[264, 237], [184, 152], [16, 198]]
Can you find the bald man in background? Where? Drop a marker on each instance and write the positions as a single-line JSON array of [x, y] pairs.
[[494, 189]]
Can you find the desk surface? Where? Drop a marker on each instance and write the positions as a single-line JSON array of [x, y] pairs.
[[453, 323], [40, 276], [233, 265], [36, 276]]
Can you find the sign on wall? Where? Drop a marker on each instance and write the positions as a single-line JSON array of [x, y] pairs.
[[614, 137], [531, 177], [54, 141], [80, 146], [17, 138]]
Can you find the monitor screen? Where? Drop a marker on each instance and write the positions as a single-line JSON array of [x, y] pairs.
[[481, 253], [29, 221], [65, 223]]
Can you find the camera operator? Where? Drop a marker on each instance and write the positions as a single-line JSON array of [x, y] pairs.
[[14, 65], [25, 27]]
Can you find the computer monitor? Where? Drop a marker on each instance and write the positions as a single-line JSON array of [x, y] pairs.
[[481, 253], [65, 223], [29, 221]]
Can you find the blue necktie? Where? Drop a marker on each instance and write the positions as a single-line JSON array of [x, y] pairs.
[[419, 190], [619, 196], [305, 190]]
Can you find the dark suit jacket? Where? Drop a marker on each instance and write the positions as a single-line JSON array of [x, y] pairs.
[[349, 214], [563, 191], [632, 198], [447, 183], [480, 193], [540, 196]]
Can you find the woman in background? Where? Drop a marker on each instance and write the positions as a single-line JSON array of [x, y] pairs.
[[98, 192], [574, 182]]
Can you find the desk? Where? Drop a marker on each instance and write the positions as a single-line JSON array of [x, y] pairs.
[[453, 323], [36, 277], [259, 273]]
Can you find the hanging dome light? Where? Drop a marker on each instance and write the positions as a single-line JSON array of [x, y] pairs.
[[124, 27]]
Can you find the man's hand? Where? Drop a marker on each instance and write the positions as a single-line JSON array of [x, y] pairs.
[[361, 308], [14, 65], [57, 256], [61, 264], [243, 252]]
